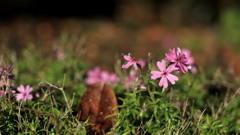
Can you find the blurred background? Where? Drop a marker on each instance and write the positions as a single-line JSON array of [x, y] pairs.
[[105, 30]]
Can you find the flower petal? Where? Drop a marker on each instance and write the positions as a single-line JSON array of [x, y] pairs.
[[28, 89], [135, 66], [162, 65], [127, 57], [155, 74], [172, 68], [170, 58], [30, 96], [127, 65], [194, 70], [163, 82], [179, 51], [143, 87], [172, 78], [183, 68], [19, 96], [21, 88]]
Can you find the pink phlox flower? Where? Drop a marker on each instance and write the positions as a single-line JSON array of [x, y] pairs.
[[131, 61], [142, 62], [132, 77], [188, 56], [178, 59], [37, 95], [143, 87], [2, 93], [93, 76], [194, 69], [1, 70], [96, 75], [109, 78], [24, 93], [191, 60], [164, 74]]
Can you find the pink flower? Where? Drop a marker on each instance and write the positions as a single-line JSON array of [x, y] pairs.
[[178, 59], [37, 95], [93, 76], [143, 87], [131, 61], [108, 78], [190, 61], [188, 56], [130, 78], [142, 62], [164, 74], [96, 75], [24, 93], [2, 93]]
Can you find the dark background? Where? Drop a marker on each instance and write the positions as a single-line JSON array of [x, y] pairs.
[[55, 8], [107, 8]]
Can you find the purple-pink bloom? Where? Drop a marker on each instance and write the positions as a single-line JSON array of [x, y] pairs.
[[164, 74], [142, 62], [188, 56], [143, 87], [178, 59], [37, 95], [190, 61], [131, 61], [93, 76], [96, 75], [109, 78], [24, 93]]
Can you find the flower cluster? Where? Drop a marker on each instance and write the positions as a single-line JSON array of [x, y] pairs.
[[140, 64], [6, 83], [179, 61], [137, 64], [6, 76], [96, 75]]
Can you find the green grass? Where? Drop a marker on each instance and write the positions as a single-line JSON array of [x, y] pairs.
[[202, 103]]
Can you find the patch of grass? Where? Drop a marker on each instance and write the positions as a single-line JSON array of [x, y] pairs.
[[202, 103]]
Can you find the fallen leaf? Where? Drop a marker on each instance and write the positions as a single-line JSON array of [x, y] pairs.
[[98, 102]]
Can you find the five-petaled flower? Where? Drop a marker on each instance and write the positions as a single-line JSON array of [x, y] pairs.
[[178, 59], [24, 93], [164, 74], [131, 61]]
